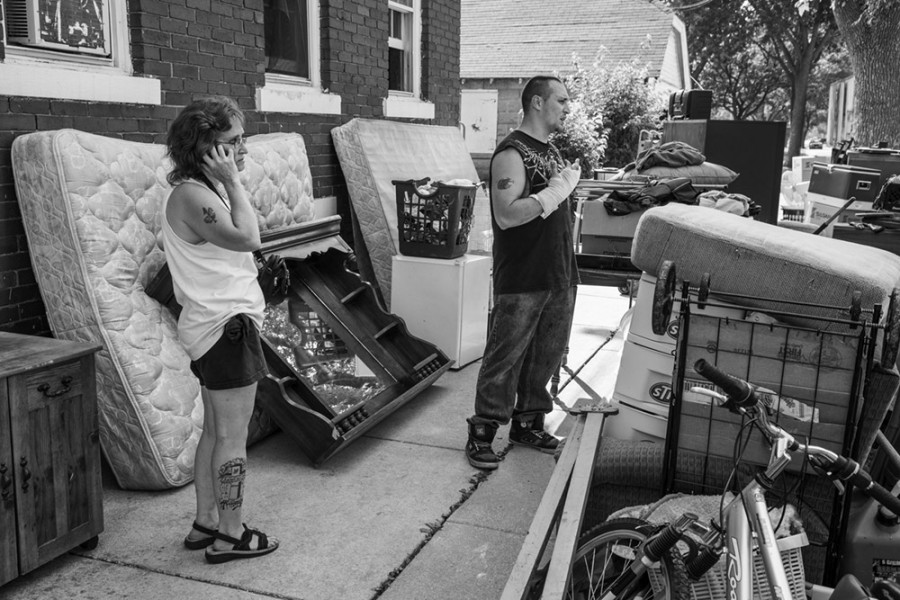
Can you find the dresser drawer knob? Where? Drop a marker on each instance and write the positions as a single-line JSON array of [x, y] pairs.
[[65, 386], [26, 474], [5, 483]]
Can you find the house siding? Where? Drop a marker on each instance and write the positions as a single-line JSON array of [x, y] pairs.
[[202, 47], [672, 74]]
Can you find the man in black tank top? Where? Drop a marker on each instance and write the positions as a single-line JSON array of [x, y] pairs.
[[534, 278]]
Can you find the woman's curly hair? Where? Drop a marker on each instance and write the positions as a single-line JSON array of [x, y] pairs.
[[194, 131]]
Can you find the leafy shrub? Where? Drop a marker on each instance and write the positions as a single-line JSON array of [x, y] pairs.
[[619, 101], [581, 139]]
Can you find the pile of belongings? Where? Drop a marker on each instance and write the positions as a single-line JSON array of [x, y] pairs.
[[736, 204], [680, 189], [654, 193]]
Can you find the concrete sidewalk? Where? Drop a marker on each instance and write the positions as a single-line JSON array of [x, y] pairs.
[[398, 515]]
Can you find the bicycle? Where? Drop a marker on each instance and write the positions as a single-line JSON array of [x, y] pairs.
[[615, 557]]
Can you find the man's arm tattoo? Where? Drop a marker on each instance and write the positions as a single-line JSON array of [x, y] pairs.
[[209, 215], [505, 183]]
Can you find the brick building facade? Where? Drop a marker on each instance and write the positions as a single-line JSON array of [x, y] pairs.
[[182, 49]]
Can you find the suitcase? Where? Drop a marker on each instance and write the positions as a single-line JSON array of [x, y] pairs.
[[844, 181], [690, 104]]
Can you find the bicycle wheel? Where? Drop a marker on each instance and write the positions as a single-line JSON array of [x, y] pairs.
[[607, 550]]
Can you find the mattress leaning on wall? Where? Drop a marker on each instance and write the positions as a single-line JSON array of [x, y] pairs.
[[90, 207]]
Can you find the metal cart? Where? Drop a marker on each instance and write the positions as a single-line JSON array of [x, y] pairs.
[[821, 376]]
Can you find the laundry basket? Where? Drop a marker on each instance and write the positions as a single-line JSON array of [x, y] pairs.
[[433, 220]]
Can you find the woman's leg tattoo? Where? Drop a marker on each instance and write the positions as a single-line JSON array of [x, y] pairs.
[[231, 483]]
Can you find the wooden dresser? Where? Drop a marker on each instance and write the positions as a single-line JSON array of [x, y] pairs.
[[50, 489]]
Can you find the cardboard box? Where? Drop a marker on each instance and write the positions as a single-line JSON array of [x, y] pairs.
[[844, 181], [802, 167], [821, 208], [774, 341], [605, 234], [605, 245], [596, 221], [811, 375]]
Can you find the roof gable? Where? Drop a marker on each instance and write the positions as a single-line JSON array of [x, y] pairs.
[[521, 38]]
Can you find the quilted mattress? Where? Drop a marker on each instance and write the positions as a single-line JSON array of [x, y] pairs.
[[755, 259], [373, 153], [90, 206]]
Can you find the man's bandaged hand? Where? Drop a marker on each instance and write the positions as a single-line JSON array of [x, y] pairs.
[[558, 189]]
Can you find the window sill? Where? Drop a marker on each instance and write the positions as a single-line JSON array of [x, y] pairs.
[[51, 81], [408, 108], [282, 98]]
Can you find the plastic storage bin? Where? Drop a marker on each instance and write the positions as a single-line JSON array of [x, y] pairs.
[[844, 181], [434, 224]]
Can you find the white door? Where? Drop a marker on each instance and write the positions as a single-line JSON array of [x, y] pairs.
[[478, 118]]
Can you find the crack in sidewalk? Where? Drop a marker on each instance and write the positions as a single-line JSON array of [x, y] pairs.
[[432, 527]]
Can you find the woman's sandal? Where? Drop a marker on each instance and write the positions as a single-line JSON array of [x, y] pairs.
[[241, 548], [202, 542]]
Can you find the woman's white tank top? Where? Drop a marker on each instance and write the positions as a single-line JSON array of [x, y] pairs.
[[211, 283]]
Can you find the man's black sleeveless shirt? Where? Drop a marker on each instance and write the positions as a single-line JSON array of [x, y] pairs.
[[540, 254]]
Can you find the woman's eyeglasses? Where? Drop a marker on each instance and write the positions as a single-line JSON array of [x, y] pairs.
[[238, 141]]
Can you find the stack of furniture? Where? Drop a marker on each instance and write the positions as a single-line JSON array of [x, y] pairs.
[[754, 149]]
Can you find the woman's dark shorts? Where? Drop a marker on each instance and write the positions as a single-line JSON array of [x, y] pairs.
[[235, 360]]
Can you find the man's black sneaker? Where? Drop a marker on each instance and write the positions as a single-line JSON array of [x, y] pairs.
[[478, 448], [533, 435]]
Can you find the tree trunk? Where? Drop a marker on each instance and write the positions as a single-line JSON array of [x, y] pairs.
[[874, 47], [798, 109]]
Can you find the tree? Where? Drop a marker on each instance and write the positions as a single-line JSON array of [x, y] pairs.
[[745, 83], [749, 50], [795, 45], [833, 66], [723, 56], [871, 31]]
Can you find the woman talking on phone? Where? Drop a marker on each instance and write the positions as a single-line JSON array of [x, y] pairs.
[[209, 232]]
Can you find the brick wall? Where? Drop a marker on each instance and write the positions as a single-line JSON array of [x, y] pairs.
[[201, 47]]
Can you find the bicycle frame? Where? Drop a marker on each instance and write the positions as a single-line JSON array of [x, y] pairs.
[[745, 515], [748, 514]]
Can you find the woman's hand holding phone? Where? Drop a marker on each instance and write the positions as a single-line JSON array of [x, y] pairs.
[[218, 163]]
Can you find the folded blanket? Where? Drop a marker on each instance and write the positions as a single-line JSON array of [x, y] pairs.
[[670, 154]]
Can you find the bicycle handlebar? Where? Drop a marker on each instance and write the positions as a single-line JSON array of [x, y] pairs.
[[742, 395], [848, 470], [738, 391]]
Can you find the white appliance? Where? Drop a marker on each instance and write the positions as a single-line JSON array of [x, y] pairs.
[[445, 302]]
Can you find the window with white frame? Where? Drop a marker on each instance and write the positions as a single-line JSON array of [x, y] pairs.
[[71, 50], [80, 27], [403, 45], [288, 37], [404, 62], [293, 82]]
